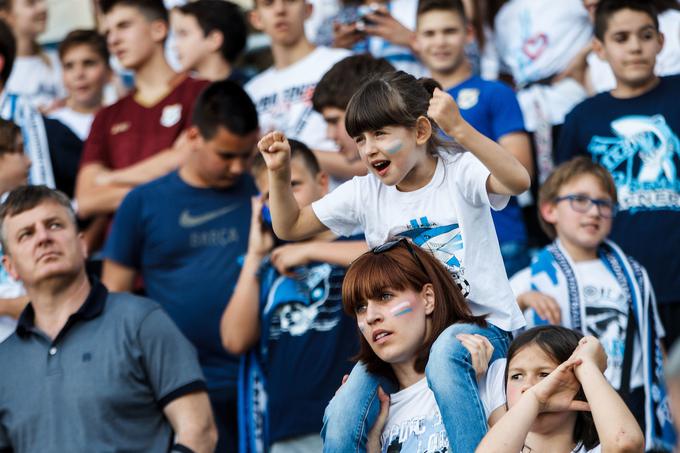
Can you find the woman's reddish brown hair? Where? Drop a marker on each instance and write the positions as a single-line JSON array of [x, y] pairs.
[[397, 269]]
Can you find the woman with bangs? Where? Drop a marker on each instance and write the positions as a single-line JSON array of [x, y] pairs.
[[403, 298]]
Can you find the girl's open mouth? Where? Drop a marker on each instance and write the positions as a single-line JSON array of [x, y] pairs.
[[381, 166]]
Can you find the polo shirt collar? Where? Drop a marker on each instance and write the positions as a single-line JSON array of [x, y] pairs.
[[91, 308]]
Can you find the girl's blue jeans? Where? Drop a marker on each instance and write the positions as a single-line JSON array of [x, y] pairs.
[[354, 409]]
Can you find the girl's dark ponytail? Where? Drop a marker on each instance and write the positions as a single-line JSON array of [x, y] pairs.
[[429, 85]]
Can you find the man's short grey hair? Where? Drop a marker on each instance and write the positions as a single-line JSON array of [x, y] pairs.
[[26, 198], [672, 368]]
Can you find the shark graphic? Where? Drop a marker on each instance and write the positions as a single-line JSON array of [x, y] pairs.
[[648, 137]]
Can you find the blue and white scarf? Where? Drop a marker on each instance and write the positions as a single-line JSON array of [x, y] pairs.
[[14, 108], [253, 419], [635, 285], [253, 416]]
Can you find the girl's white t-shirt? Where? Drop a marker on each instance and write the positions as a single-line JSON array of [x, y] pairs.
[[450, 216], [36, 80], [414, 423]]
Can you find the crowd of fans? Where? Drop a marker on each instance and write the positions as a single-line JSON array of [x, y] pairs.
[[417, 226]]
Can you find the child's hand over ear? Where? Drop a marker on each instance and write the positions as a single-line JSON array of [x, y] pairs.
[[444, 111], [556, 392], [276, 151]]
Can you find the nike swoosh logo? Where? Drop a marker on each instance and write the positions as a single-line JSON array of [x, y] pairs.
[[186, 220]]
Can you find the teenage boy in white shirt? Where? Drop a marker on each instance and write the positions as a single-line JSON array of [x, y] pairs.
[[283, 93]]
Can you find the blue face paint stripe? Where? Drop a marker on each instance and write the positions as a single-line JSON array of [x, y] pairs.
[[395, 147], [403, 312]]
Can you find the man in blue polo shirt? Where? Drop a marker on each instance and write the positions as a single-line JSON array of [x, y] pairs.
[[88, 370], [490, 107], [184, 232]]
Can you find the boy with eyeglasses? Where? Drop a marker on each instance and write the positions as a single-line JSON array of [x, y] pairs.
[[585, 282]]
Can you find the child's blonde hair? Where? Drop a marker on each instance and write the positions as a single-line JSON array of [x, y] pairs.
[[565, 173]]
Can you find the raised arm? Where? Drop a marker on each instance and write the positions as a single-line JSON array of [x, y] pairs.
[[508, 175], [519, 145], [290, 222], [240, 324], [616, 426]]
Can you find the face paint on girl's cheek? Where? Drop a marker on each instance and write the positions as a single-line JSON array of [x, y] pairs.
[[362, 325], [401, 309], [394, 147]]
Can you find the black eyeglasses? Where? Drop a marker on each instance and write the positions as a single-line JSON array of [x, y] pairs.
[[582, 204], [389, 245]]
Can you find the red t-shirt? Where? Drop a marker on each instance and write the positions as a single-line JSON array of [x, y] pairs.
[[127, 132]]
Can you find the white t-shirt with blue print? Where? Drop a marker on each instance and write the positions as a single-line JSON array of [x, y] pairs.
[[449, 216], [414, 424]]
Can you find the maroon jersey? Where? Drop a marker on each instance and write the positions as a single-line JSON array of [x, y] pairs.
[[128, 132]]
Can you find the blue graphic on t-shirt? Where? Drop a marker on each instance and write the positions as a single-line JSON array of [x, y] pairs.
[[304, 349], [417, 435], [445, 242], [301, 304], [643, 159], [543, 263]]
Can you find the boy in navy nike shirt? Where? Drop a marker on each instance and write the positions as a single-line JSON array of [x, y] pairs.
[[183, 233]]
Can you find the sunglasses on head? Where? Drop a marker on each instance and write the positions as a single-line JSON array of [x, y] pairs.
[[389, 245]]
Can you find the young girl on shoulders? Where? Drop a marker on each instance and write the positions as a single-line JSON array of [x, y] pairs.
[[403, 299], [558, 399], [437, 196]]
